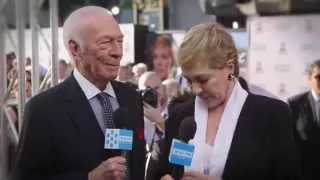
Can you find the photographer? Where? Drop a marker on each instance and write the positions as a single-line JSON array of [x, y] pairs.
[[155, 102], [155, 114]]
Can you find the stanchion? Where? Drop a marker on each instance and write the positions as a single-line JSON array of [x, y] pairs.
[[20, 24], [54, 39], [3, 86]]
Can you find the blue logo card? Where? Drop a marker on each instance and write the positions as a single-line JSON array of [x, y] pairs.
[[181, 153], [121, 139]]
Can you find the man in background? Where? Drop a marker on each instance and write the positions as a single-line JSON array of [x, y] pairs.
[[306, 113]]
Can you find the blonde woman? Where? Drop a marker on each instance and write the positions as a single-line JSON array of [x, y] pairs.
[[238, 135]]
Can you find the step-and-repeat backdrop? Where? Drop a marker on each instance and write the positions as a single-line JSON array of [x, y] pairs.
[[280, 48]]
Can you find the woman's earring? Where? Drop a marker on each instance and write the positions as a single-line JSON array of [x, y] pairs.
[[230, 77]]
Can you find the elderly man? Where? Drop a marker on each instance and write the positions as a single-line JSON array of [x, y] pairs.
[[63, 131]]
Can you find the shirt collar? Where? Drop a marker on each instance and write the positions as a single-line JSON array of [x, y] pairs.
[[315, 97], [89, 89]]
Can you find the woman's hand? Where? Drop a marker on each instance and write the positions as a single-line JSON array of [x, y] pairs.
[[193, 175]]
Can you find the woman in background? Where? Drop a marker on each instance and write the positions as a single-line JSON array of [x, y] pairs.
[[163, 57], [238, 135]]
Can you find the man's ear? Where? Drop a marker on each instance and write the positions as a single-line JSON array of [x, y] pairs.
[[74, 48]]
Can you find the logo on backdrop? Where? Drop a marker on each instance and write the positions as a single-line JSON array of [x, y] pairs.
[[308, 25], [259, 68], [283, 48], [259, 28], [283, 68], [118, 139], [282, 89]]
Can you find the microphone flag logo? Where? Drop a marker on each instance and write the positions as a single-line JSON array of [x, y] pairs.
[[120, 139], [181, 153]]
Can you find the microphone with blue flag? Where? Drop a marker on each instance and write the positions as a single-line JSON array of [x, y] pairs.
[[181, 153], [122, 137]]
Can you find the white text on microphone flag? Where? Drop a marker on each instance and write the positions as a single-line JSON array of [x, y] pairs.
[[181, 153], [121, 139]]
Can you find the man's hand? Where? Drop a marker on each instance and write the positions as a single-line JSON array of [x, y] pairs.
[[193, 175], [113, 169], [167, 177]]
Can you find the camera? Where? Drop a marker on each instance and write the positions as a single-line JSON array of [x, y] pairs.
[[150, 96]]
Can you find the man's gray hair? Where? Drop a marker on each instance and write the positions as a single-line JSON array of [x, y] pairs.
[[74, 22]]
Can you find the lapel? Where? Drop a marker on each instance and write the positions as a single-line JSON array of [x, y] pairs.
[[82, 115], [310, 108], [245, 142], [241, 127], [304, 122], [120, 94], [308, 118]]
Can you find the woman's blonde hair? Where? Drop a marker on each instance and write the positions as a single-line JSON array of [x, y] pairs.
[[209, 45]]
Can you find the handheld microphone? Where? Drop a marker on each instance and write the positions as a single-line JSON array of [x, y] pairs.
[[187, 130], [119, 138], [119, 117]]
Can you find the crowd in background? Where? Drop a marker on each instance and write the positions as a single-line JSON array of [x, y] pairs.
[[12, 80]]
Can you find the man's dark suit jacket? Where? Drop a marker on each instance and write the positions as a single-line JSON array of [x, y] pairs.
[[62, 140], [307, 133], [263, 145]]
